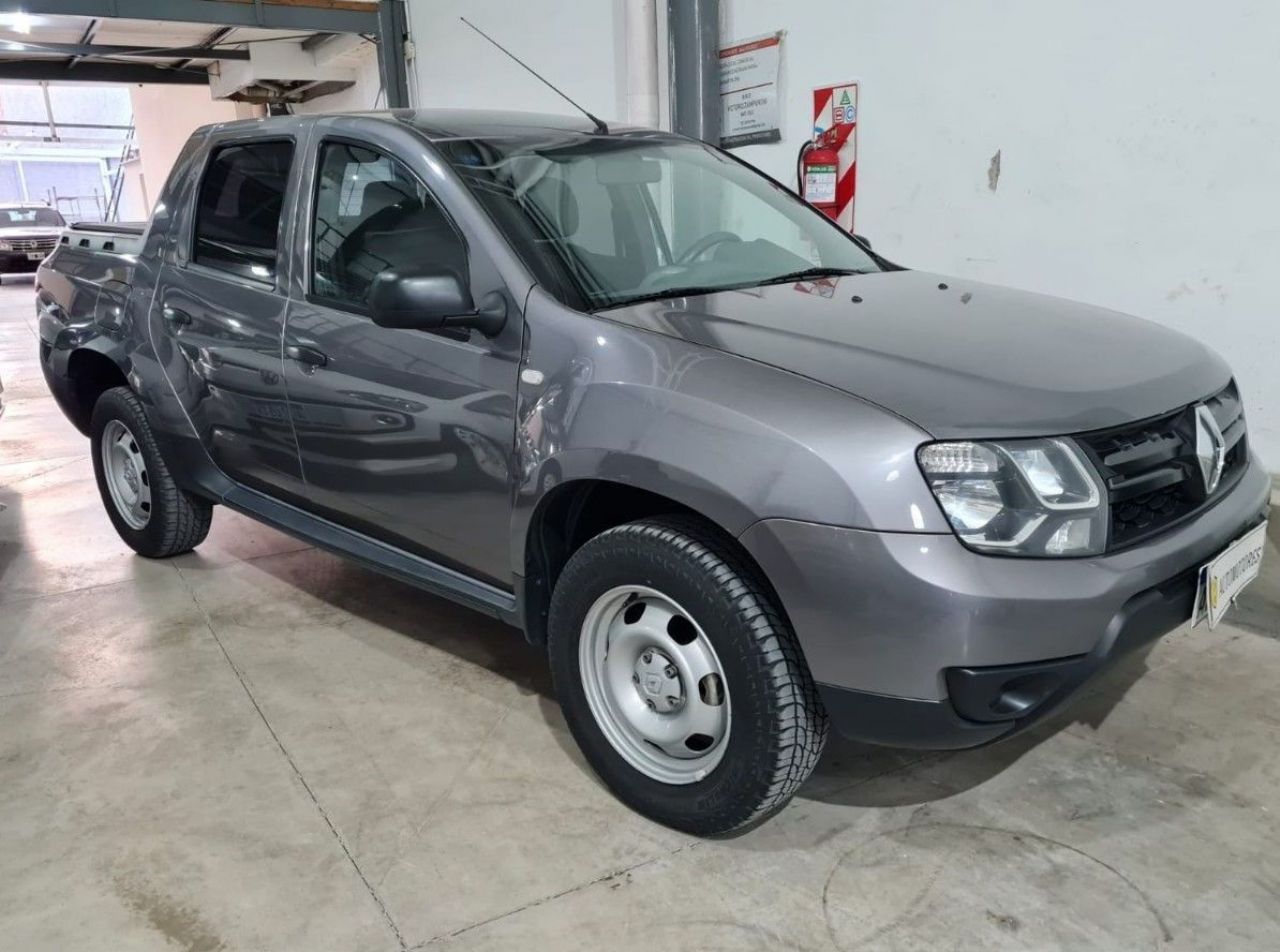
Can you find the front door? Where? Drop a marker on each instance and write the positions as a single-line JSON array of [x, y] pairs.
[[219, 311], [405, 435]]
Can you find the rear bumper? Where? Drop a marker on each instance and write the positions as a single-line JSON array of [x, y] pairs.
[[53, 365], [915, 641]]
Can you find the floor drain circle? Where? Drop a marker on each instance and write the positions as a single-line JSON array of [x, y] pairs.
[[995, 889]]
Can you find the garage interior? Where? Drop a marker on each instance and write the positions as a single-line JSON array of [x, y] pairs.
[[259, 745]]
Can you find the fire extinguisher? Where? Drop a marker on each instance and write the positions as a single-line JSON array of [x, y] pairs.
[[817, 169]]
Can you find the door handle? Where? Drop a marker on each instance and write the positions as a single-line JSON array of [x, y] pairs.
[[175, 317], [305, 355]]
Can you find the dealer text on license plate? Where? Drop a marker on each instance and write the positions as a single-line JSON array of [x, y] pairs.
[[1226, 576]]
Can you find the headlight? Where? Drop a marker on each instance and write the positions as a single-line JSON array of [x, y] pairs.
[[1019, 497], [6, 245]]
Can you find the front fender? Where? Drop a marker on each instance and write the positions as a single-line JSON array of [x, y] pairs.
[[733, 439]]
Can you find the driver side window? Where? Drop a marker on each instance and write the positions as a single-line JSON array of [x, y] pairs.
[[371, 214]]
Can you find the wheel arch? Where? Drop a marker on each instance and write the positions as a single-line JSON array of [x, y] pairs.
[[571, 513], [90, 373]]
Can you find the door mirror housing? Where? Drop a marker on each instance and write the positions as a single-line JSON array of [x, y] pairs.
[[431, 300], [865, 242]]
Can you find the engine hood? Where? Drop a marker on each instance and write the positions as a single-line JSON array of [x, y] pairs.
[[29, 231], [955, 357]]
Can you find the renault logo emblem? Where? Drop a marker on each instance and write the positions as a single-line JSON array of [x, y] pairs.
[[1211, 450]]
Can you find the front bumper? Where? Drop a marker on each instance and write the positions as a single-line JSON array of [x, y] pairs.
[[916, 641], [18, 262]]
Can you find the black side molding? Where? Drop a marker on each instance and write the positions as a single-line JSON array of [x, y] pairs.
[[389, 560], [904, 721]]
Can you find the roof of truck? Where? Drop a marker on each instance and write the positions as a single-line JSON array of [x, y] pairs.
[[440, 124]]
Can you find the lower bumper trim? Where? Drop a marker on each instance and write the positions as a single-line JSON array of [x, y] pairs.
[[904, 721]]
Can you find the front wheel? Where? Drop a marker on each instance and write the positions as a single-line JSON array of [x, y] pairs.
[[680, 678]]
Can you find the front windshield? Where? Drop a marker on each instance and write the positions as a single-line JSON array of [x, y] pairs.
[[605, 221], [30, 216]]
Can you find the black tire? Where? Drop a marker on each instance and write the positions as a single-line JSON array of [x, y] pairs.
[[178, 521], [778, 725]]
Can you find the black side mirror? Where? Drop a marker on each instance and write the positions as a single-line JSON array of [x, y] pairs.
[[866, 243], [414, 299]]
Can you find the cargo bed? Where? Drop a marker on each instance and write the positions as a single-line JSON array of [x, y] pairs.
[[121, 237]]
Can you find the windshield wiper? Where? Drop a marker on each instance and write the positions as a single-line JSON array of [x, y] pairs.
[[808, 274], [804, 274], [689, 291]]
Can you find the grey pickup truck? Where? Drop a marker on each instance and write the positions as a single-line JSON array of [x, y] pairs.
[[737, 474]]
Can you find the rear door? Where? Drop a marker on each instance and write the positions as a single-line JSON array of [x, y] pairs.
[[406, 435], [218, 314]]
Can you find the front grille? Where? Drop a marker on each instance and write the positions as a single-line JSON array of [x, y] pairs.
[[1152, 475], [34, 244]]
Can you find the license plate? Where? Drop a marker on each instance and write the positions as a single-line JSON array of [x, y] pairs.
[[1226, 576], [35, 256]]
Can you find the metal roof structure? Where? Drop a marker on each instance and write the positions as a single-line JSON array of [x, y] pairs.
[[177, 41]]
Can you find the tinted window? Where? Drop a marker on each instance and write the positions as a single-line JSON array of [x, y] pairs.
[[372, 214], [238, 214]]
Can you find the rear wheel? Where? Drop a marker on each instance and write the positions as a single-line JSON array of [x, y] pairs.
[[681, 680], [154, 516]]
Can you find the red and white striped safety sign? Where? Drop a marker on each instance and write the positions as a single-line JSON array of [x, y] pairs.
[[836, 108]]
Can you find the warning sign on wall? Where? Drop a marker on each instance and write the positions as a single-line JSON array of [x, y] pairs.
[[749, 91], [835, 108]]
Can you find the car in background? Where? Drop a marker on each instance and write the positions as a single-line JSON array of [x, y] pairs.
[[28, 233]]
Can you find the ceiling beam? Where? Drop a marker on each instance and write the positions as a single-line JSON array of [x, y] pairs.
[[211, 40], [31, 124], [86, 37], [53, 70], [333, 16], [143, 52]]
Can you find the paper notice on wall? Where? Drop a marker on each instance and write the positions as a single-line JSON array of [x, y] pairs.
[[749, 91]]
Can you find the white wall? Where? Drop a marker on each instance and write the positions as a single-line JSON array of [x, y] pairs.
[[1139, 141], [164, 118], [365, 94], [576, 44], [1140, 152], [133, 205]]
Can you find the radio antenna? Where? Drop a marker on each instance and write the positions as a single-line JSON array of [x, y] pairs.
[[599, 123]]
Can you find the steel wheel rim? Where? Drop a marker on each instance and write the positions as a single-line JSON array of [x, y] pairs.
[[672, 728], [125, 472]]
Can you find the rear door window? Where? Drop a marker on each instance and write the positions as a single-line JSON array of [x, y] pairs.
[[238, 211]]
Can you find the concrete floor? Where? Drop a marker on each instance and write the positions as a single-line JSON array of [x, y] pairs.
[[259, 746]]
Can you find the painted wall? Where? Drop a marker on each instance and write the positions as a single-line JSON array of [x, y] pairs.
[[577, 44], [1139, 161], [164, 118], [365, 94], [133, 197], [1139, 144]]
